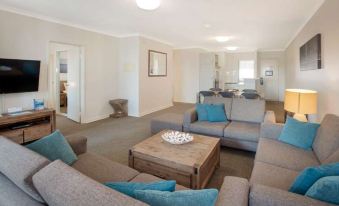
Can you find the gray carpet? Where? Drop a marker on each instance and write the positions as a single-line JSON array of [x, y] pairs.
[[113, 137]]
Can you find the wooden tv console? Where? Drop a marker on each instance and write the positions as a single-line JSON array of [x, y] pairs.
[[27, 126]]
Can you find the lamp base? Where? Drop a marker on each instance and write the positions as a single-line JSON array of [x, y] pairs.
[[300, 117]]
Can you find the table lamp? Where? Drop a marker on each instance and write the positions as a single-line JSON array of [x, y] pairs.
[[300, 102]]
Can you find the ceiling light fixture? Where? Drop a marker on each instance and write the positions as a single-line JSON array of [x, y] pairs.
[[222, 38], [148, 4], [231, 48], [207, 26]]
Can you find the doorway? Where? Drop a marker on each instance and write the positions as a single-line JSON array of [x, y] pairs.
[[270, 74], [67, 63]]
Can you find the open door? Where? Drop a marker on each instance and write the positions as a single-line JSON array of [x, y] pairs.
[[270, 74], [73, 83]]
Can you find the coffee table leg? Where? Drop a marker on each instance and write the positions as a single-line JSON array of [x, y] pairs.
[[130, 159]]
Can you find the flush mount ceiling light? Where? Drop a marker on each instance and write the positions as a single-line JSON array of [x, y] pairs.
[[231, 48], [148, 4], [222, 38]]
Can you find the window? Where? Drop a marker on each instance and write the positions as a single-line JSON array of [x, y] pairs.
[[246, 70]]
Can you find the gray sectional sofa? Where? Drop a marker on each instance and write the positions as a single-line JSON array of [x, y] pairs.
[[29, 179], [277, 165], [243, 128]]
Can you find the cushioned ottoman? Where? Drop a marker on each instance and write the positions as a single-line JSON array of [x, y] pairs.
[[167, 121]]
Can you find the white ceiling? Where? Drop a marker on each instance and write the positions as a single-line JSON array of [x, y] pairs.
[[252, 24]]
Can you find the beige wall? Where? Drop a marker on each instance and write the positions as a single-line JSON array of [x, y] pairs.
[[24, 37], [325, 81], [186, 66], [155, 93], [128, 65]]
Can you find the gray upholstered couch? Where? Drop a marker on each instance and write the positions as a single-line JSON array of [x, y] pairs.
[[243, 128], [277, 165], [28, 179]]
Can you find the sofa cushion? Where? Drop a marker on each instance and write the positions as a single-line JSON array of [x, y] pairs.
[[129, 188], [202, 112], [248, 110], [208, 128], [19, 164], [284, 155], [243, 131], [299, 134], [216, 113], [327, 139], [102, 169], [53, 147], [207, 197], [310, 175], [273, 176], [11, 195], [143, 177], [326, 189], [60, 185], [220, 100]]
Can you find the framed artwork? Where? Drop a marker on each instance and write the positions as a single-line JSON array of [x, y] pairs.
[[269, 73], [157, 64], [310, 54]]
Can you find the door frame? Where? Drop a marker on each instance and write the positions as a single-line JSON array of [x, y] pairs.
[[262, 74], [53, 77]]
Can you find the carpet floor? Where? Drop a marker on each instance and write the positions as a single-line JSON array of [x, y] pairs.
[[112, 138]]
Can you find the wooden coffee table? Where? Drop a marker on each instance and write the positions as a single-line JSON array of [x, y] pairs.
[[191, 164]]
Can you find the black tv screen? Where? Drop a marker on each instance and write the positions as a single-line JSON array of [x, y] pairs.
[[19, 75]]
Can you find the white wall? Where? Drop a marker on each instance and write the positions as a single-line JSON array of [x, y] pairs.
[[325, 81], [278, 56], [230, 71], [128, 65], [24, 37], [155, 93], [186, 81]]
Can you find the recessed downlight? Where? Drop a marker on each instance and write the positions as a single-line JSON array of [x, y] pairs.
[[148, 4], [222, 38], [231, 48]]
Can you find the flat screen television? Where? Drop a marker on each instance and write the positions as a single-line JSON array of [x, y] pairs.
[[19, 75]]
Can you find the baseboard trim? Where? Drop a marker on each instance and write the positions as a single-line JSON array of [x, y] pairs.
[[154, 110]]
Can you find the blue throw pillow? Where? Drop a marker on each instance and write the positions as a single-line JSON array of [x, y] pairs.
[[216, 113], [128, 188], [299, 134], [53, 147], [206, 197], [202, 112], [325, 189], [310, 175]]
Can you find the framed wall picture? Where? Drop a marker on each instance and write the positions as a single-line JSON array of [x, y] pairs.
[[157, 64], [269, 73], [310, 54]]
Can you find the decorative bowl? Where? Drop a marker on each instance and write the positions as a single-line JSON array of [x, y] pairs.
[[177, 137]]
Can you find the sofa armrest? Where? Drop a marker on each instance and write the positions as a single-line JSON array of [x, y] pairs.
[[189, 117], [271, 130], [263, 195], [234, 192], [269, 117], [78, 144]]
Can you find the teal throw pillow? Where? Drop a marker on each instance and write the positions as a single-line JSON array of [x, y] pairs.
[[299, 134], [216, 113], [206, 197], [53, 147], [128, 188], [325, 189], [310, 175], [202, 112]]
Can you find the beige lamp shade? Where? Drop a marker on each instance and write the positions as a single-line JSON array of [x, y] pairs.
[[301, 101]]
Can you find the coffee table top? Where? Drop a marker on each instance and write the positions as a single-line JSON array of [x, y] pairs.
[[190, 155]]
